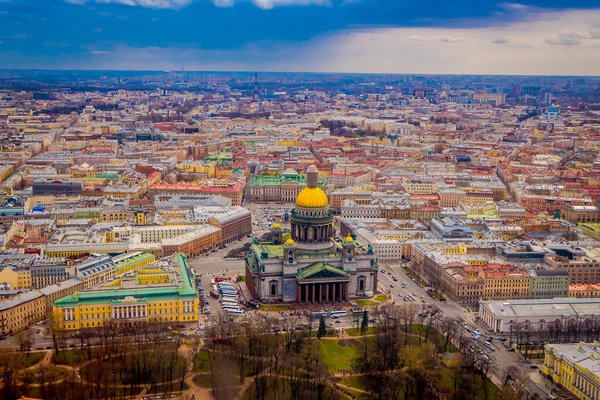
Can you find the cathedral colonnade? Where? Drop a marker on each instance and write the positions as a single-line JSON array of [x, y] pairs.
[[321, 292]]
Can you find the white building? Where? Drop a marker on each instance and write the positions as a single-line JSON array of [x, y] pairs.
[[499, 316]]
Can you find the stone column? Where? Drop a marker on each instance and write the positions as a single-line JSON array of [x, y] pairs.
[[326, 292], [298, 296], [313, 293], [333, 294], [306, 294], [346, 291]]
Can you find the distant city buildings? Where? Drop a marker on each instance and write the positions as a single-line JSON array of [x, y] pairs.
[[486, 188]]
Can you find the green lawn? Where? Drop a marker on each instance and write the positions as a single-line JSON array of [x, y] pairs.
[[446, 382], [278, 308], [34, 358], [203, 380], [366, 303], [356, 332], [354, 381], [202, 362], [381, 298], [72, 357], [338, 354]]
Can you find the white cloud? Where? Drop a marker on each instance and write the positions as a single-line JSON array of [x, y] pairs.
[[177, 4], [142, 3], [269, 4], [500, 40], [417, 38], [97, 30], [450, 39], [572, 38]]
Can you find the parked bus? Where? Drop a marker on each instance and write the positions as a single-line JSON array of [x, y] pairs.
[[230, 297], [230, 303], [214, 295], [236, 313], [337, 314], [222, 278], [319, 314]]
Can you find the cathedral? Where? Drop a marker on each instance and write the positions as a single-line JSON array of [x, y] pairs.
[[310, 266]]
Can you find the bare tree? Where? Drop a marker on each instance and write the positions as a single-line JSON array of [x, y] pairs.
[[9, 368], [26, 340], [448, 327]]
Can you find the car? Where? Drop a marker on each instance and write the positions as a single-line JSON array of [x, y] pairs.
[[337, 321], [403, 285], [533, 366], [395, 279], [392, 286], [511, 349]]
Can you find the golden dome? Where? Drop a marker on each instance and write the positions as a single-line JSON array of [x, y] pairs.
[[290, 242], [276, 225], [349, 238], [312, 198]]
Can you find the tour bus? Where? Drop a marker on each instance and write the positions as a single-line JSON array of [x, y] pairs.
[[230, 297], [230, 303], [337, 314], [222, 278], [318, 314], [236, 307], [228, 293], [225, 287], [236, 313]]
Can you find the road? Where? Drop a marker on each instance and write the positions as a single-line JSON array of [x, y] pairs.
[[500, 355]]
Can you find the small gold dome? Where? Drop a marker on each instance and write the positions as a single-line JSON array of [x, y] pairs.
[[349, 238], [276, 225], [312, 198], [290, 242]]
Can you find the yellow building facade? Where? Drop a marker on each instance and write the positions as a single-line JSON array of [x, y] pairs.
[[21, 311], [156, 293], [576, 367], [18, 278]]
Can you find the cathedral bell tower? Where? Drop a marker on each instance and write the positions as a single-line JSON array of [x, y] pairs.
[[348, 249], [289, 251], [276, 233]]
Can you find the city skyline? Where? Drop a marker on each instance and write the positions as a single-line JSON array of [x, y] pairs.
[[529, 38]]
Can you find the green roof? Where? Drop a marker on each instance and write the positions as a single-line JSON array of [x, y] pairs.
[[186, 289], [130, 261], [275, 180], [317, 267], [106, 176], [274, 250]]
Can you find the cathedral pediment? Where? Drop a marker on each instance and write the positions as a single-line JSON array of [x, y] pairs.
[[320, 270]]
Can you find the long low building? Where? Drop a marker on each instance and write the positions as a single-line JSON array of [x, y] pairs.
[[499, 316], [161, 291]]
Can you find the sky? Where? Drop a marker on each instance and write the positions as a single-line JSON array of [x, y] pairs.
[[534, 37]]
